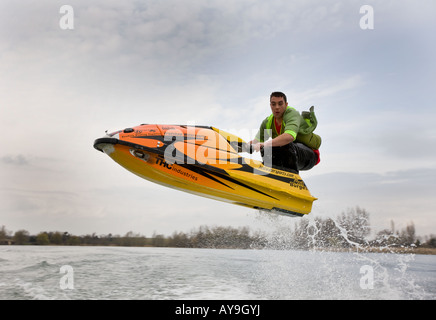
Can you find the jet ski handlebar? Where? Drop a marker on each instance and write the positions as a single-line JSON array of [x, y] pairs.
[[242, 146]]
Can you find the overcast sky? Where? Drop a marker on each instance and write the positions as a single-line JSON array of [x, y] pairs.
[[214, 63]]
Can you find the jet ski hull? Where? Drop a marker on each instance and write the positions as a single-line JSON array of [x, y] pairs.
[[203, 161]]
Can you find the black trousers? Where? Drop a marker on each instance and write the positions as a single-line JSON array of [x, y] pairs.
[[294, 156]]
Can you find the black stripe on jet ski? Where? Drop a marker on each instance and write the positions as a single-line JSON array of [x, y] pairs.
[[250, 169], [164, 139], [284, 212], [224, 176], [209, 147], [205, 174], [115, 141]]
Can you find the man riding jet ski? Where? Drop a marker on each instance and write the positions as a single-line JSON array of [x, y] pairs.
[[293, 146], [206, 161]]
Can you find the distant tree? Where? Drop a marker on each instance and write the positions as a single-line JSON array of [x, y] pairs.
[[407, 235], [4, 234], [133, 239], [179, 239], [355, 224], [200, 237], [65, 237], [386, 237], [56, 238], [301, 235], [331, 234], [431, 242], [42, 238], [157, 240], [74, 240], [21, 237]]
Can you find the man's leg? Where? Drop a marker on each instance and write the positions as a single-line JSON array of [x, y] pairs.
[[306, 157], [284, 157], [294, 156]]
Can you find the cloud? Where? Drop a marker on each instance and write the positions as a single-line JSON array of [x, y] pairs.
[[19, 160]]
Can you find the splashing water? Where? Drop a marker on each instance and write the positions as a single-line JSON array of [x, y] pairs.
[[304, 268]]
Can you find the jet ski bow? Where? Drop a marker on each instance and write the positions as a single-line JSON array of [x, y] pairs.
[[206, 161]]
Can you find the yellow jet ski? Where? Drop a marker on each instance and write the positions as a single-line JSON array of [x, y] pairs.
[[205, 161]]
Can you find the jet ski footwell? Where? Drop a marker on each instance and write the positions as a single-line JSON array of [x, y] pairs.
[[203, 161]]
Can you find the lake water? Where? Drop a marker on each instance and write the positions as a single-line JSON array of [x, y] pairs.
[[65, 272]]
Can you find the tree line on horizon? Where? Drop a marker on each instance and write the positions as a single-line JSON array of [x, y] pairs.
[[350, 229]]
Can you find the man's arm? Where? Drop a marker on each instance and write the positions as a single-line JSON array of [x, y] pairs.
[[279, 141]]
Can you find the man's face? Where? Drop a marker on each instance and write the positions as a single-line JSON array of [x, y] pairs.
[[278, 106]]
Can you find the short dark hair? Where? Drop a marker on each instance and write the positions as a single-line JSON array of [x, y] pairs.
[[278, 94]]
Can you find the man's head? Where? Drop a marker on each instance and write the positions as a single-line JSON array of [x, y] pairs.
[[278, 103], [278, 94]]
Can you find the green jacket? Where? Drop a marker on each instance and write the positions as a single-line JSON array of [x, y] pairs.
[[301, 127]]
